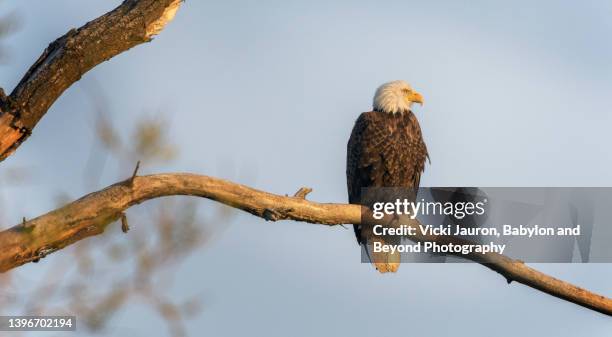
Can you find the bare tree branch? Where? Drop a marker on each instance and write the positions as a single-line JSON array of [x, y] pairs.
[[132, 23], [88, 216], [70, 57]]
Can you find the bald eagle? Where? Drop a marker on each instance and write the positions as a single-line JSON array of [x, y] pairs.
[[386, 149]]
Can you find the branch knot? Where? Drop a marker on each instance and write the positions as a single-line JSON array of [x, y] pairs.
[[302, 193], [275, 214]]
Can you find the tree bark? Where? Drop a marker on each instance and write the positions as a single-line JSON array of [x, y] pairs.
[[88, 216], [70, 57]]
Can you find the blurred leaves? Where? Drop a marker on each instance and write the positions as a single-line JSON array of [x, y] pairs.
[[107, 136], [14, 176], [164, 232], [116, 270], [98, 278], [8, 25], [151, 141]]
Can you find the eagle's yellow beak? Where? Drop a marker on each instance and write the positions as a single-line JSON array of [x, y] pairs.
[[415, 97]]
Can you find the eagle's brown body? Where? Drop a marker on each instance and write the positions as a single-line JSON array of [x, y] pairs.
[[384, 150]]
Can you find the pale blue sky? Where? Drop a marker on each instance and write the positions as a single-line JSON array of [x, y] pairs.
[[517, 94]]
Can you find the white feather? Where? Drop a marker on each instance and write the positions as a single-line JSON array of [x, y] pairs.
[[391, 97]]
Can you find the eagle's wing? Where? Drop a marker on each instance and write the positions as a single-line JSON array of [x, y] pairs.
[[355, 178], [383, 151], [353, 160], [368, 159]]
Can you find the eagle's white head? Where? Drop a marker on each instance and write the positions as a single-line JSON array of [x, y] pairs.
[[396, 97]]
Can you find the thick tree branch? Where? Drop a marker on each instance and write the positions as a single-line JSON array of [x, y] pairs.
[[70, 57], [88, 216]]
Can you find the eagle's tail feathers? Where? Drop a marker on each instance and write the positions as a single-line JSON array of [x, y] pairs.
[[383, 262], [386, 267]]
